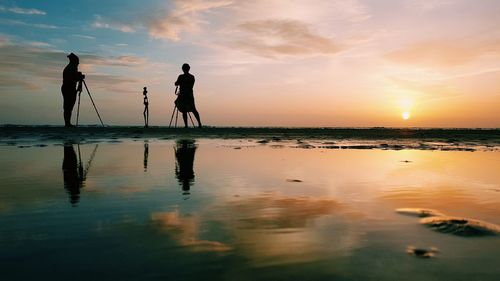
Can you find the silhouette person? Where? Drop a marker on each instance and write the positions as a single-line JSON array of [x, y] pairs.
[[184, 156], [146, 107], [146, 154], [72, 174], [71, 76], [185, 100]]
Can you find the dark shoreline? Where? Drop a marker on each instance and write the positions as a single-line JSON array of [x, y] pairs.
[[481, 135]]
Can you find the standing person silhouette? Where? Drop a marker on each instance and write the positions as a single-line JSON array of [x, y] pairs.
[[185, 100], [146, 108], [71, 76]]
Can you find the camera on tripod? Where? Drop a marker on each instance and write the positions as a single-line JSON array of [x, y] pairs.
[[81, 76]]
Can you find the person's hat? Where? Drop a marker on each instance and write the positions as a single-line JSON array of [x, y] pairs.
[[73, 57]]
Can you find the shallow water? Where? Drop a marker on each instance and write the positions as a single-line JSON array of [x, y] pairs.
[[240, 210]]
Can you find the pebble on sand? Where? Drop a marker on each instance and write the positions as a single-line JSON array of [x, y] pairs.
[[421, 253]]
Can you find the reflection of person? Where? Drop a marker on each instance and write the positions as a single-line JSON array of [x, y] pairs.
[[71, 76], [184, 156], [185, 100], [146, 154], [72, 174], [146, 107]]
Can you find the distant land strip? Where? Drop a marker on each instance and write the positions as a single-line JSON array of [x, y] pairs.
[[377, 133]]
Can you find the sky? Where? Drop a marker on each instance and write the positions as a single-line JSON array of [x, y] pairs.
[[298, 63]]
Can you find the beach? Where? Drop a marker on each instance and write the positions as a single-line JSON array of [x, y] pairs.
[[332, 138]]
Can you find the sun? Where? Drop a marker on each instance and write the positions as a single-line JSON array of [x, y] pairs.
[[405, 115]]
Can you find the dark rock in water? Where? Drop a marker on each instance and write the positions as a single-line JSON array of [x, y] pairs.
[[406, 161], [359, 147], [461, 226], [263, 141], [330, 146], [277, 146], [293, 180], [238, 147], [418, 212], [422, 253]]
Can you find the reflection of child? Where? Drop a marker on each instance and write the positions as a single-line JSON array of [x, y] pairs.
[[146, 107]]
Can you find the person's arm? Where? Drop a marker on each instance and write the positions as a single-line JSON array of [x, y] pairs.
[[76, 75], [178, 82]]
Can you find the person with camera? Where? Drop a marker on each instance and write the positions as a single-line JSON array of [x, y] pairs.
[[185, 99], [69, 89]]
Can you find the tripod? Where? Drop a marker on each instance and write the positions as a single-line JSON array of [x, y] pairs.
[[79, 90], [176, 113]]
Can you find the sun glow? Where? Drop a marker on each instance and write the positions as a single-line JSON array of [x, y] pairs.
[[405, 115]]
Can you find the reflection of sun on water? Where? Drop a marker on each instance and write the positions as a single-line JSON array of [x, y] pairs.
[[405, 115]]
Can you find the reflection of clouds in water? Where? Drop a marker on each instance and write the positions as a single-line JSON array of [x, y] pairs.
[[277, 229], [185, 230], [442, 198], [268, 229], [275, 212]]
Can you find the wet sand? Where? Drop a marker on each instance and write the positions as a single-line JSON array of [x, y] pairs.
[[326, 138]]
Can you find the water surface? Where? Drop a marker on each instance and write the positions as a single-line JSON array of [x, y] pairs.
[[239, 210]]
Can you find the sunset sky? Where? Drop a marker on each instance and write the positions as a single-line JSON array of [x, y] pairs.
[[416, 63]]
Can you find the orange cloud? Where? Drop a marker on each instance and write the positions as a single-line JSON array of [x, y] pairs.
[[273, 38], [184, 17]]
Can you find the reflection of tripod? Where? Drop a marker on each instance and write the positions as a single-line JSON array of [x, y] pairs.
[[79, 90], [176, 113]]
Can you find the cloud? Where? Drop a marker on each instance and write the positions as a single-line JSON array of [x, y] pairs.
[[26, 66], [40, 44], [428, 5], [275, 38], [99, 22], [443, 53], [84, 36], [22, 23], [22, 11], [185, 16], [126, 61]]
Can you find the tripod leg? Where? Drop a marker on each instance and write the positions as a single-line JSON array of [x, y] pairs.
[[95, 107], [172, 118], [78, 108], [176, 116], [190, 118]]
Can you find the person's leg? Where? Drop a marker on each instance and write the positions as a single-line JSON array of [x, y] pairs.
[[69, 98], [147, 116], [185, 116], [197, 116], [144, 114]]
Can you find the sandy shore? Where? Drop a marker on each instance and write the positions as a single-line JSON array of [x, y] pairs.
[[333, 138]]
